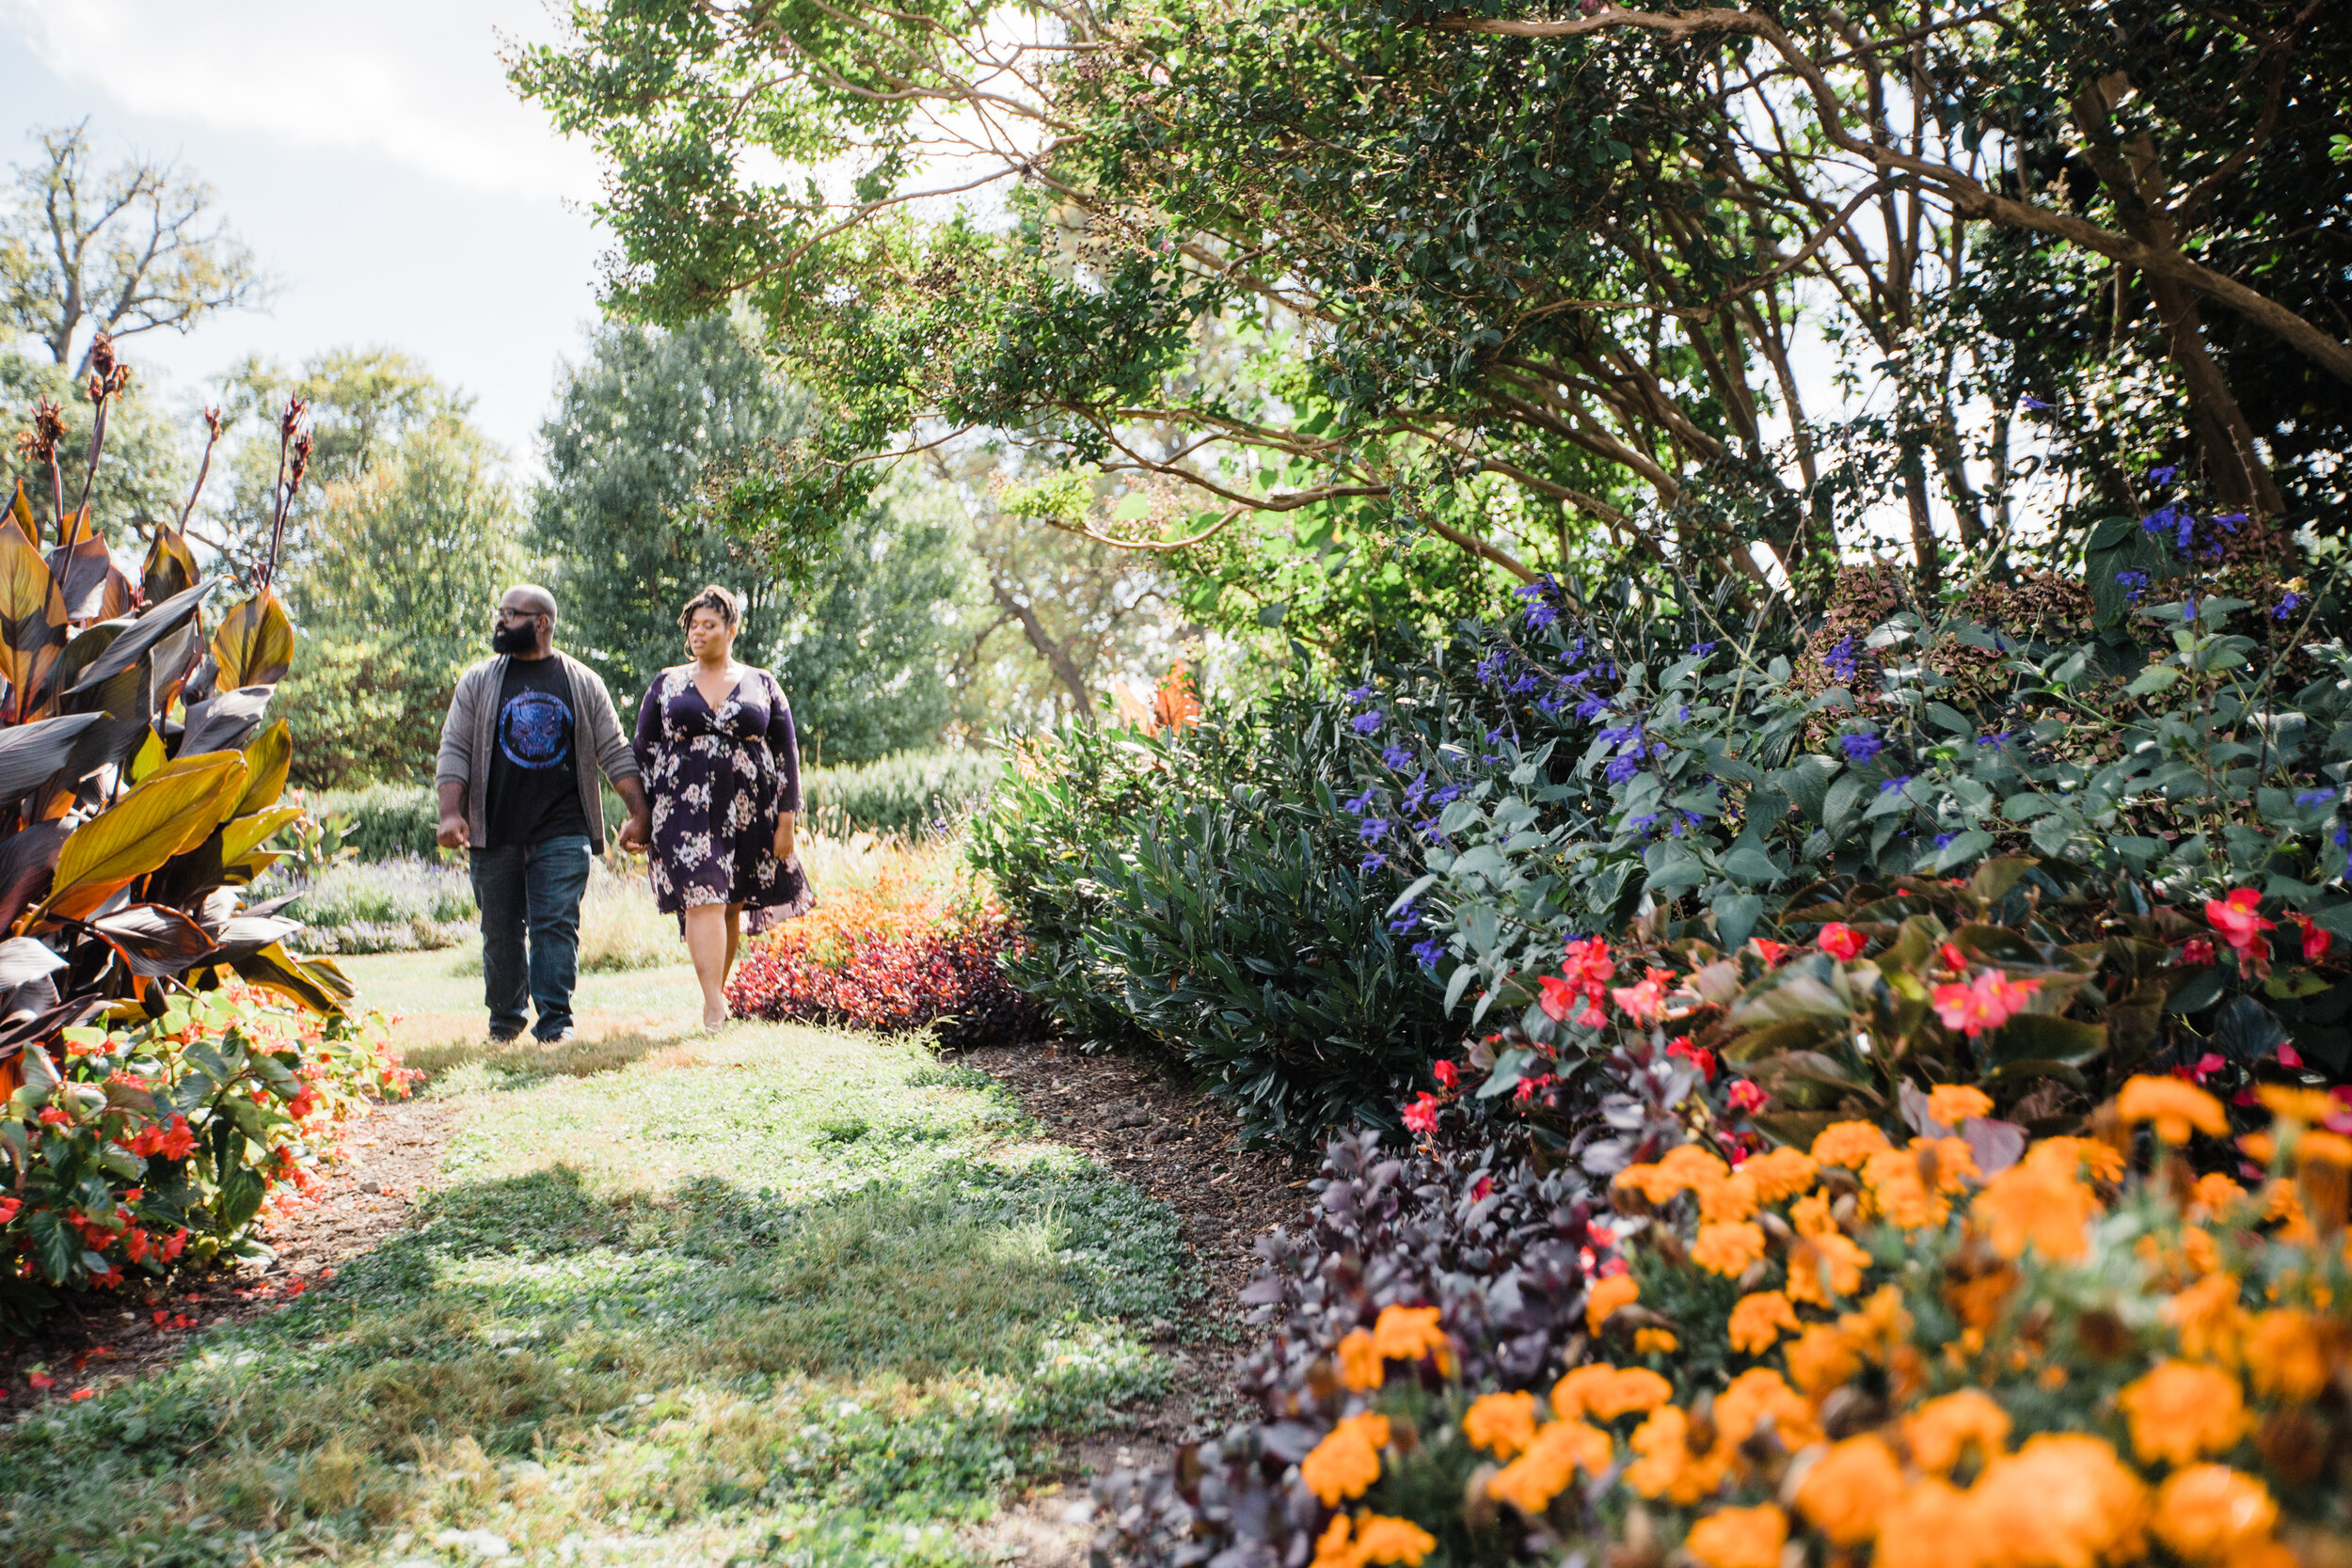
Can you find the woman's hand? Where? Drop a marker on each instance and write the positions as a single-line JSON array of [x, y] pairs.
[[783, 837]]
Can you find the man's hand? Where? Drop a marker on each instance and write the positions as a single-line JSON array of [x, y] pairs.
[[783, 837], [636, 833], [453, 834]]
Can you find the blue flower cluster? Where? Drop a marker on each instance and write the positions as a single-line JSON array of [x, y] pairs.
[[1862, 745], [1841, 660]]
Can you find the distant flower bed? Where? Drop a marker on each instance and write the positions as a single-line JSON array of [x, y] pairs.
[[900, 939]]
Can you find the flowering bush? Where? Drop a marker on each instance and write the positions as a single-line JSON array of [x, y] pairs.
[[2073, 1352], [133, 1150], [892, 981]]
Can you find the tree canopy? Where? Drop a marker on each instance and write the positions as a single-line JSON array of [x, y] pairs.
[[1330, 266]]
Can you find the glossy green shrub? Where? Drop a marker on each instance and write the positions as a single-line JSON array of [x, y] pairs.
[[1206, 893]]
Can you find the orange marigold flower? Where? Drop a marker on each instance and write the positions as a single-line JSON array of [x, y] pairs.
[[1655, 1341], [1757, 1319], [2061, 1501], [1931, 1525], [1504, 1424], [2174, 1106], [1758, 1393], [2309, 1106], [1732, 1198], [2040, 1201], [1378, 1539], [1825, 1267], [2287, 1356], [2217, 1194], [2281, 1202], [1685, 1166], [1952, 1103], [1606, 1296], [1605, 1392], [1667, 1467], [2199, 1251], [2179, 1412], [1849, 1488], [1780, 1173], [1740, 1537], [1410, 1333], [2261, 1147], [1348, 1461], [1530, 1481], [1728, 1250], [1848, 1143], [1939, 1430], [1946, 1165], [1899, 1195], [1360, 1365], [2207, 1317], [2332, 1148], [1821, 1358], [2209, 1513]]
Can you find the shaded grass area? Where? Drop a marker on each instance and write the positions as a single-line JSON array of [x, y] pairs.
[[786, 1296]]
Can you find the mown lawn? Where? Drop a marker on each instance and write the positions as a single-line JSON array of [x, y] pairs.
[[786, 1296]]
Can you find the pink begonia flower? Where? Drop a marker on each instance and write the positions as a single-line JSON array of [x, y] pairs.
[[1989, 1001]]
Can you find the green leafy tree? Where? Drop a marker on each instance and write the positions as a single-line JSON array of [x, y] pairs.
[[638, 428], [865, 650], [1302, 259], [403, 560]]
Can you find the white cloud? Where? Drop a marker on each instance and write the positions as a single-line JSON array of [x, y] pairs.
[[416, 81]]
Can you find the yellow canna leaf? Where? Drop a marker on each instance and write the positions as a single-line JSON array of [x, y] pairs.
[[150, 756], [242, 834], [266, 763], [168, 813], [254, 644]]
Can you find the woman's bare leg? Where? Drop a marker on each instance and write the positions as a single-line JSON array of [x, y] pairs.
[[735, 938], [706, 940]]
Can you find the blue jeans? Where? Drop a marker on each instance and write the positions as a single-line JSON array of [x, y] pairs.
[[538, 887]]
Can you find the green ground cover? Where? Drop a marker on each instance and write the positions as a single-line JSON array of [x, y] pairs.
[[786, 1296]]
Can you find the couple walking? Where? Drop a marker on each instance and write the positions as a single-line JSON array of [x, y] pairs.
[[713, 784]]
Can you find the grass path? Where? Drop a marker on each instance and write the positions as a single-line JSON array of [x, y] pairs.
[[788, 1296]]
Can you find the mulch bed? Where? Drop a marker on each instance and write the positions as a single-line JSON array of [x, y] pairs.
[[110, 1336], [1185, 1149]]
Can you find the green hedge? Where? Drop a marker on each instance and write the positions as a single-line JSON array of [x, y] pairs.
[[905, 794], [912, 793]]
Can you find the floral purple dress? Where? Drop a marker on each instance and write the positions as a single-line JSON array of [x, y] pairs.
[[717, 781]]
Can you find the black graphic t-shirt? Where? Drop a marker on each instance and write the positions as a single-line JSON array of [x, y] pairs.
[[534, 785]]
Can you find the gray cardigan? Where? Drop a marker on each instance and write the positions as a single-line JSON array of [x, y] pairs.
[[596, 742]]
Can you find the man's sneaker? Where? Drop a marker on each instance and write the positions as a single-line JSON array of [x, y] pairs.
[[567, 1032], [505, 1037]]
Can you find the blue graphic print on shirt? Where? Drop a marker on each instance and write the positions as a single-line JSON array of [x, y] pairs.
[[536, 729]]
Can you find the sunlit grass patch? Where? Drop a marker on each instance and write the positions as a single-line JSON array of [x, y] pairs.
[[665, 1301]]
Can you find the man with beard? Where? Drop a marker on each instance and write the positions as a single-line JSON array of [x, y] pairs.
[[528, 731]]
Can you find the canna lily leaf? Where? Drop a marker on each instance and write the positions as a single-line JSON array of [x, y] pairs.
[[81, 567], [222, 721], [316, 983], [170, 568], [243, 832], [32, 754], [32, 618], [266, 763], [146, 632], [166, 813], [255, 642], [152, 939]]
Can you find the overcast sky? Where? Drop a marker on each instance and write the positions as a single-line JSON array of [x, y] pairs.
[[370, 153]]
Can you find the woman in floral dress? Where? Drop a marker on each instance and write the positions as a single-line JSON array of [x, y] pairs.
[[723, 770]]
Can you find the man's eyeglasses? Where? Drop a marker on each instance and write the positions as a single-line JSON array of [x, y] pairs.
[[505, 613]]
